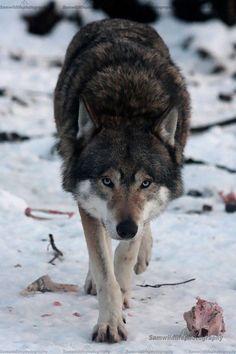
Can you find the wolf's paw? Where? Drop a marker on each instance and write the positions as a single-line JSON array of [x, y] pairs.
[[143, 259], [90, 286], [125, 299], [141, 266], [111, 333]]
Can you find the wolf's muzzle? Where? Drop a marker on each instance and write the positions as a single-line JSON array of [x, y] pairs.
[[127, 229]]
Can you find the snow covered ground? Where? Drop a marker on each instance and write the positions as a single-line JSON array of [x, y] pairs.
[[188, 243]]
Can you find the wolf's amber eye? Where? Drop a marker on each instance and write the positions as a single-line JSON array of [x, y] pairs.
[[146, 183], [107, 182]]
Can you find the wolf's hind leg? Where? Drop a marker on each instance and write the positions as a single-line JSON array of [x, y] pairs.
[[125, 258], [145, 251], [89, 285]]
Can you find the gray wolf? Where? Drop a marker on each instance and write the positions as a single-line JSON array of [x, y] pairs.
[[122, 114]]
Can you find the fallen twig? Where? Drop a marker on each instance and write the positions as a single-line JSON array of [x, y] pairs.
[[203, 128], [12, 137], [165, 284], [191, 161], [30, 212], [57, 252]]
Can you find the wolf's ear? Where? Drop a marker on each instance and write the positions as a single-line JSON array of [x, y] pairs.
[[85, 121], [166, 126]]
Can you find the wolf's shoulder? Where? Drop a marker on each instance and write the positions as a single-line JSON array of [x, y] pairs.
[[97, 35]]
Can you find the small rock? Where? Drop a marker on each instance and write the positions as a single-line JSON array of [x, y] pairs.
[[56, 63], [204, 54], [230, 207], [44, 20], [15, 56], [225, 97], [207, 207], [194, 193], [46, 315], [76, 314], [187, 42], [2, 92], [218, 69]]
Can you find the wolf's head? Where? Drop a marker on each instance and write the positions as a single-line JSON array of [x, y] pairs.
[[125, 176]]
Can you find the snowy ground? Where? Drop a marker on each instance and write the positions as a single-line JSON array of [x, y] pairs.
[[187, 243]]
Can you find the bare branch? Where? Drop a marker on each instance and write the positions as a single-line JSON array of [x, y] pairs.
[[57, 252], [165, 284]]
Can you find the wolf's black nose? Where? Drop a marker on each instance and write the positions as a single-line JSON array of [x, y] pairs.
[[127, 229]]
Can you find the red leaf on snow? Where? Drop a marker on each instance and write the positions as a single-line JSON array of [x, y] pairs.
[[228, 198], [229, 201]]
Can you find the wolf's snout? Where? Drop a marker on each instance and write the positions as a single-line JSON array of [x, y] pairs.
[[127, 229]]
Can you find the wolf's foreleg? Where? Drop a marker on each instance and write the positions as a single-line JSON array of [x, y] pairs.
[[110, 326], [124, 261], [145, 250]]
